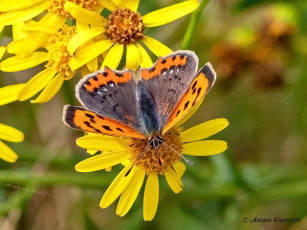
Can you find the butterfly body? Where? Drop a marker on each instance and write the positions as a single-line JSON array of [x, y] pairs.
[[146, 108]]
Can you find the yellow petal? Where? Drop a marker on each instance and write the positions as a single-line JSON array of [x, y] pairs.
[[173, 180], [18, 31], [117, 186], [169, 14], [156, 47], [18, 63], [2, 51], [204, 130], [87, 53], [82, 37], [114, 56], [22, 15], [7, 154], [11, 134], [36, 84], [102, 161], [179, 168], [145, 60], [11, 5], [133, 57], [84, 15], [111, 5], [50, 90], [130, 193], [92, 65], [106, 143], [9, 93], [130, 4], [151, 197], [204, 148]]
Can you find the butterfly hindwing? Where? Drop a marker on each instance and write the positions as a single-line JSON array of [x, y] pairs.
[[168, 79], [110, 93], [200, 85], [89, 121]]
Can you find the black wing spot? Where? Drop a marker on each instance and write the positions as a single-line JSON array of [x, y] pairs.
[[95, 78], [90, 126], [163, 61], [89, 115], [193, 86], [115, 106], [177, 113], [186, 105], [105, 74], [119, 129], [106, 127], [194, 91], [173, 58], [182, 56], [99, 116], [119, 75], [152, 69]]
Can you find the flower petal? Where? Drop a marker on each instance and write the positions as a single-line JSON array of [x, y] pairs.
[[151, 197], [11, 134], [103, 142], [117, 186], [145, 60], [179, 168], [204, 130], [87, 53], [7, 154], [36, 84], [130, 193], [133, 57], [82, 37], [2, 51], [84, 15], [92, 65], [130, 4], [50, 90], [114, 56], [173, 180], [111, 5], [18, 63], [22, 15], [156, 47], [170, 13], [204, 148], [9, 93], [11, 5], [18, 31], [102, 161]]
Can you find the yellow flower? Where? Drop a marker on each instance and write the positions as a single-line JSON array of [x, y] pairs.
[[166, 162], [50, 79], [10, 134], [124, 28]]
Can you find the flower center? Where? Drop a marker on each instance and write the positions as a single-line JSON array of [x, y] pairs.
[[57, 6], [124, 26], [160, 159], [57, 48]]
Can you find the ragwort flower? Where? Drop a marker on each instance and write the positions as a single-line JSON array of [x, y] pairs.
[[10, 134], [51, 78], [124, 28], [127, 184]]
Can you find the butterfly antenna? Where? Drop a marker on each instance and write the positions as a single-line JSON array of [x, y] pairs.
[[137, 158], [186, 160]]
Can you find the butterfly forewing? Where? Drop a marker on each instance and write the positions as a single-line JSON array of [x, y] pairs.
[[200, 85], [110, 93], [168, 79], [89, 121]]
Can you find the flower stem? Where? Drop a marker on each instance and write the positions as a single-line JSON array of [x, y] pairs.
[[194, 21]]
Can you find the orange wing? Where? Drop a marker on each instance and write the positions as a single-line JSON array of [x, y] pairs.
[[86, 120], [204, 80]]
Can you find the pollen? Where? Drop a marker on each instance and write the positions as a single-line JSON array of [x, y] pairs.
[[57, 6], [124, 26], [57, 49], [157, 161]]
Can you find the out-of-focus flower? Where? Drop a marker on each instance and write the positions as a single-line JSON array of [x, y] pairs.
[[51, 78], [10, 134], [124, 28], [166, 162]]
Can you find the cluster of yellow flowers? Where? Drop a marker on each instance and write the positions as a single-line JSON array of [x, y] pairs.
[[71, 36]]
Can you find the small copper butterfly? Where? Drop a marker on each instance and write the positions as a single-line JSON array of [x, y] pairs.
[[143, 104]]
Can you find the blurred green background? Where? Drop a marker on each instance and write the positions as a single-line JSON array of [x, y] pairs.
[[258, 49]]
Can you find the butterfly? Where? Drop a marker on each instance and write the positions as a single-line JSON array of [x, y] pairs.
[[143, 104]]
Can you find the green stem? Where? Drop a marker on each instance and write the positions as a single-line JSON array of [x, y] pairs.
[[194, 21]]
